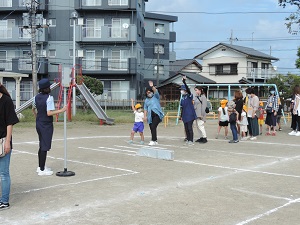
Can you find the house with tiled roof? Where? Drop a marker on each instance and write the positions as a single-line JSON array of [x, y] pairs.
[[226, 63]]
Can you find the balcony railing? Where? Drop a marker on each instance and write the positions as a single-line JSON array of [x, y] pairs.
[[258, 73], [117, 64], [88, 64], [118, 32], [117, 2], [5, 33], [91, 32], [25, 64], [6, 64], [91, 2]]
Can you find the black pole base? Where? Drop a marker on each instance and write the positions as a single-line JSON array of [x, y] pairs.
[[65, 173]]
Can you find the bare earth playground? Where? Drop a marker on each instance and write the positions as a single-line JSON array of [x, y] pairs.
[[251, 182]]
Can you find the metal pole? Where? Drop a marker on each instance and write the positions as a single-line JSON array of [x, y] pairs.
[[65, 128], [157, 65], [74, 62], [33, 46]]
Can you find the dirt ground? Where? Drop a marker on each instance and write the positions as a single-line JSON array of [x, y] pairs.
[[251, 182]]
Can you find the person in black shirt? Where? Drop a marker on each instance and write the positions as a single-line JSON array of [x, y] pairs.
[[8, 118]]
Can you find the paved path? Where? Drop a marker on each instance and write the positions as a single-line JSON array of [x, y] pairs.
[[252, 182]]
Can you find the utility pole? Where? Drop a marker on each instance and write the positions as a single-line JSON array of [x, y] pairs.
[[157, 67], [231, 39], [32, 14]]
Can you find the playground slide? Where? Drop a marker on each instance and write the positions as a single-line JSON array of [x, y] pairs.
[[29, 102], [94, 104]]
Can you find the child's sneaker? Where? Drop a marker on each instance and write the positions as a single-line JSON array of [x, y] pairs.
[[45, 173], [130, 142], [4, 206], [217, 136], [45, 168], [225, 137], [142, 142]]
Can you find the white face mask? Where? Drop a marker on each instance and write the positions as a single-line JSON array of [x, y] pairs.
[[272, 92], [150, 95], [139, 110], [183, 92]]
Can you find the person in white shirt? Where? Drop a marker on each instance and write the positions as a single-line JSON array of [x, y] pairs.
[[223, 118], [243, 123], [138, 125]]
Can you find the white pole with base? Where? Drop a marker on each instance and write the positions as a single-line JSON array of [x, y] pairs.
[[65, 83]]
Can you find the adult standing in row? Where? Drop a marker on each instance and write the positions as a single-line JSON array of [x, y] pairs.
[[296, 109], [153, 113], [8, 118], [43, 110], [200, 104], [188, 114], [239, 102], [294, 123], [271, 110], [253, 104]]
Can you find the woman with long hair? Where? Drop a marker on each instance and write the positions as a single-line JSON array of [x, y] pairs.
[[8, 118]]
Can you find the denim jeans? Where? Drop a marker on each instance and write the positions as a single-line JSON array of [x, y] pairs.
[[234, 131], [5, 177]]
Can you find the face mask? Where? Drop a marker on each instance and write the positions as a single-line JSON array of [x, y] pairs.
[[139, 110], [150, 95], [272, 92], [183, 92]]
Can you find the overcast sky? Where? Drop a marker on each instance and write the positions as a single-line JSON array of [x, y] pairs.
[[215, 19]]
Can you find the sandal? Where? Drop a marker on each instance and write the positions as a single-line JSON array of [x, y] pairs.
[[268, 134], [273, 134]]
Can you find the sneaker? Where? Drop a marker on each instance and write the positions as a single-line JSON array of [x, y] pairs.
[[280, 129], [253, 138], [199, 140], [130, 142], [233, 141], [46, 168], [225, 137], [297, 134], [186, 143], [142, 142], [293, 133], [244, 139], [151, 143], [4, 206], [204, 140], [190, 143], [45, 173], [217, 136]]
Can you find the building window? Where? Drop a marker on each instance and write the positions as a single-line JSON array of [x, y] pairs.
[[51, 22], [160, 69], [118, 60], [25, 3], [265, 65], [223, 69], [92, 59], [158, 48], [92, 2], [159, 28], [93, 28], [52, 53], [120, 90], [117, 2], [5, 62], [119, 28], [5, 3]]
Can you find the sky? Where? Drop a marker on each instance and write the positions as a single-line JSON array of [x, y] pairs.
[[258, 24]]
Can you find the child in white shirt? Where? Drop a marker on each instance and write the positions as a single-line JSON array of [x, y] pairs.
[[244, 123], [138, 125]]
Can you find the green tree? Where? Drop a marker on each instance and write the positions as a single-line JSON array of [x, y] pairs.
[[94, 85], [298, 60], [293, 20]]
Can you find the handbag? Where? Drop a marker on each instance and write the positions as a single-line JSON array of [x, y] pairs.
[[2, 149], [206, 109]]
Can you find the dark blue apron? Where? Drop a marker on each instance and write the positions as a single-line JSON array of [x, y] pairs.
[[44, 123]]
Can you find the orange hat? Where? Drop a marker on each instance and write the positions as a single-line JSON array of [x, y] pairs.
[[137, 106], [223, 102], [261, 103], [245, 107]]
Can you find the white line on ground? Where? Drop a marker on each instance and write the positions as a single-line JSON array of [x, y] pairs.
[[268, 212], [260, 194], [116, 151]]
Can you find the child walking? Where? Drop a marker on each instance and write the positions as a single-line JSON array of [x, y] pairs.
[[244, 124], [138, 125], [223, 118], [261, 117]]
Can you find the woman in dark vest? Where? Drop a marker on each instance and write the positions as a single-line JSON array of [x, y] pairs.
[[43, 109]]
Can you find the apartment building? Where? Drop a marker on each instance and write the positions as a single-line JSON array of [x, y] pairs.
[[112, 39]]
